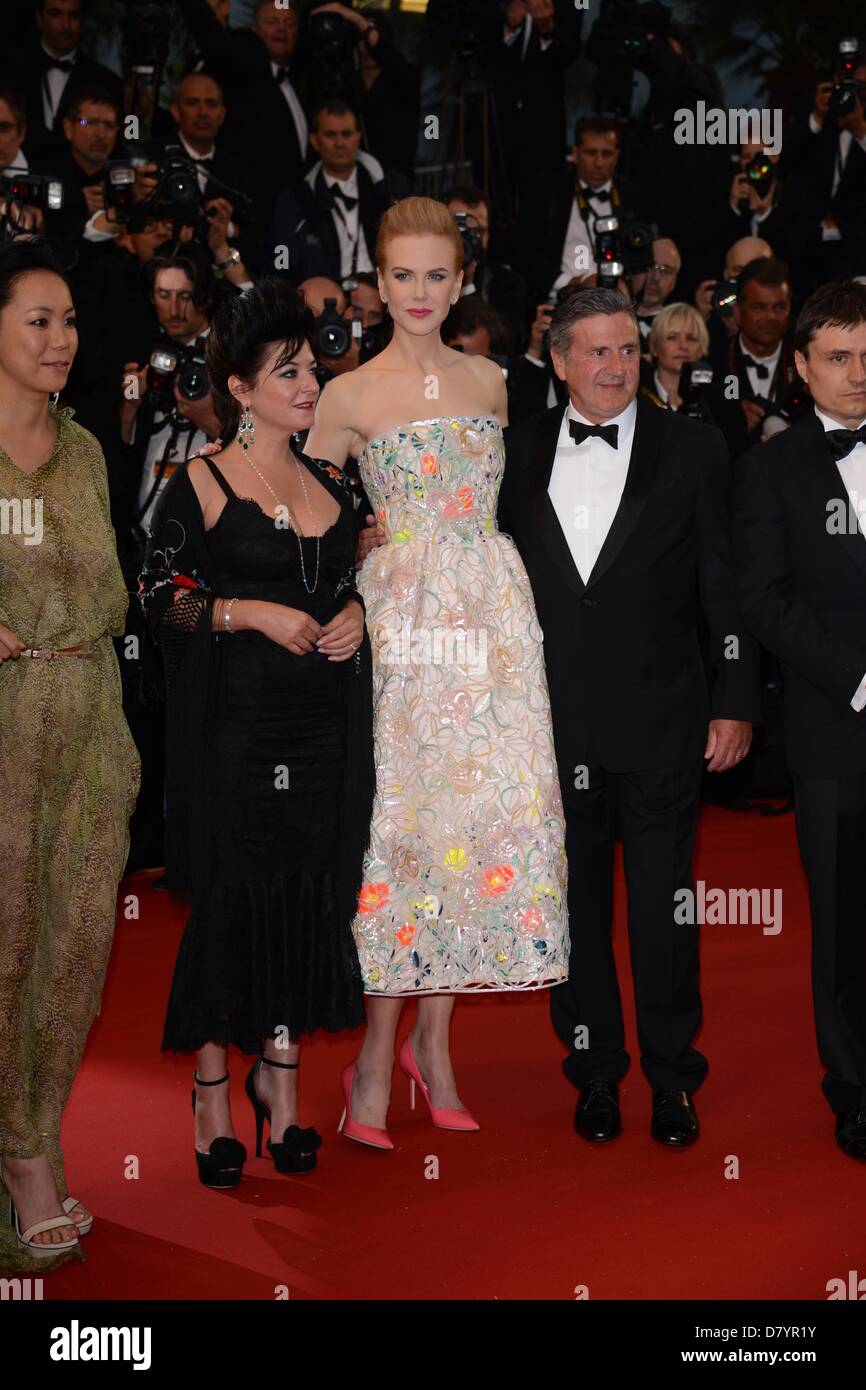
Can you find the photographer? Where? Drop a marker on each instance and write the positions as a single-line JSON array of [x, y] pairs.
[[329, 220], [163, 422], [678, 336], [384, 84], [651, 287], [475, 328], [759, 361], [52, 71], [503, 288], [561, 209], [265, 94], [13, 128], [224, 180], [825, 167], [526, 60], [754, 198], [90, 129]]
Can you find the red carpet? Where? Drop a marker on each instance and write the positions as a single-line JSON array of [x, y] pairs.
[[523, 1209]]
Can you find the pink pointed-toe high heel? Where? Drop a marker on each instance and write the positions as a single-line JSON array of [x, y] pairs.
[[364, 1134], [443, 1119]]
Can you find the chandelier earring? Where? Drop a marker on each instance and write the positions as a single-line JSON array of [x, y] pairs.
[[246, 429]]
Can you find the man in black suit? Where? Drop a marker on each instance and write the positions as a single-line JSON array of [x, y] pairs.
[[326, 224], [800, 527], [498, 284], [824, 160], [620, 512], [48, 73], [561, 209], [754, 368], [91, 129], [266, 96]]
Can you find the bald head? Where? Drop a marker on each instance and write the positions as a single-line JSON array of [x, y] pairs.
[[748, 248], [319, 288]]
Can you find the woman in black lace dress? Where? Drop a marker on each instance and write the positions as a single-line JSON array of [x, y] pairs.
[[249, 588]]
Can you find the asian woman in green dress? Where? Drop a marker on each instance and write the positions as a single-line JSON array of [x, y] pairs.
[[68, 766]]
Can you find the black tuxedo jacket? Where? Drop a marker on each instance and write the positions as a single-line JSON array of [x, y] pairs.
[[802, 584], [258, 125], [624, 667], [24, 70], [810, 163], [726, 359], [303, 221]]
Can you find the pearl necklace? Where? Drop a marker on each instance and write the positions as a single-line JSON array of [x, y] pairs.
[[294, 524]]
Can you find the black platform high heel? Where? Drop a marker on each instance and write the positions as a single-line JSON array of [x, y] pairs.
[[296, 1153], [223, 1164]]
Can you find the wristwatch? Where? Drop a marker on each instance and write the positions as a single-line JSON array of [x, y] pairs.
[[233, 258]]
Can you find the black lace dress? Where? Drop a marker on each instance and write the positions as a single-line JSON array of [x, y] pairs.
[[274, 799]]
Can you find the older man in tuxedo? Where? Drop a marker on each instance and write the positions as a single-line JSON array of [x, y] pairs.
[[621, 514], [800, 527]]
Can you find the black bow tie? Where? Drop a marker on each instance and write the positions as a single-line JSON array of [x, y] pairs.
[[594, 194], [841, 442], [64, 64], [282, 74], [205, 163], [348, 201], [762, 370], [580, 432]]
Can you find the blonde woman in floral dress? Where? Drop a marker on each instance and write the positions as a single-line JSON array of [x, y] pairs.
[[465, 877]]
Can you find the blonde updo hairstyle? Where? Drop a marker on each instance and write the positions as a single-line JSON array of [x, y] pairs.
[[417, 217]]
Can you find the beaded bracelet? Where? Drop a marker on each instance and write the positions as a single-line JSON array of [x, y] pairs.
[[227, 612]]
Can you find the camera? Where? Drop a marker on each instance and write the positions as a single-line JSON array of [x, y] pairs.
[[846, 88], [622, 250], [473, 247], [725, 297], [36, 190], [175, 198], [694, 378], [146, 28], [169, 366], [760, 173], [119, 185], [333, 335]]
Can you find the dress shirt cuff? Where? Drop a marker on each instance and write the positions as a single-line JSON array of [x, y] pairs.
[[814, 125], [91, 234], [859, 700]]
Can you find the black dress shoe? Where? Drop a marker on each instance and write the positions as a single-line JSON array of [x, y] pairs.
[[675, 1120], [851, 1132], [597, 1116]]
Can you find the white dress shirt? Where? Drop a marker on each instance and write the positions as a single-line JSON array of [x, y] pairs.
[[761, 385], [512, 35], [852, 470], [294, 105], [349, 229], [586, 485], [580, 236], [54, 83]]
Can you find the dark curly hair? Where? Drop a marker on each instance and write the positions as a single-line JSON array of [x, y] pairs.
[[244, 331]]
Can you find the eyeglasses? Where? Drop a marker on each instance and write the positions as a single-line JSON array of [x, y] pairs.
[[662, 270], [97, 122]]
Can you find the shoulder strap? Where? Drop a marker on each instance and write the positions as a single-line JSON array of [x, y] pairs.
[[218, 475]]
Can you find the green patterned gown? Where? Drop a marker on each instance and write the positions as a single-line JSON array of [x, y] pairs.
[[68, 781]]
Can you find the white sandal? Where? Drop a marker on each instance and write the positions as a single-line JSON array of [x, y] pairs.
[[40, 1249], [83, 1226]]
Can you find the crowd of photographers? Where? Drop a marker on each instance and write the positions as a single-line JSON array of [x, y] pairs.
[[283, 143]]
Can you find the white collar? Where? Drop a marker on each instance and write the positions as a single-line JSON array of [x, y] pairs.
[[829, 423], [369, 162], [625, 419], [765, 361], [55, 57], [605, 189], [660, 390], [193, 154]]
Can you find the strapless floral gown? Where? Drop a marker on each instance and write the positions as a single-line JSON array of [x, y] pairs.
[[465, 877]]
